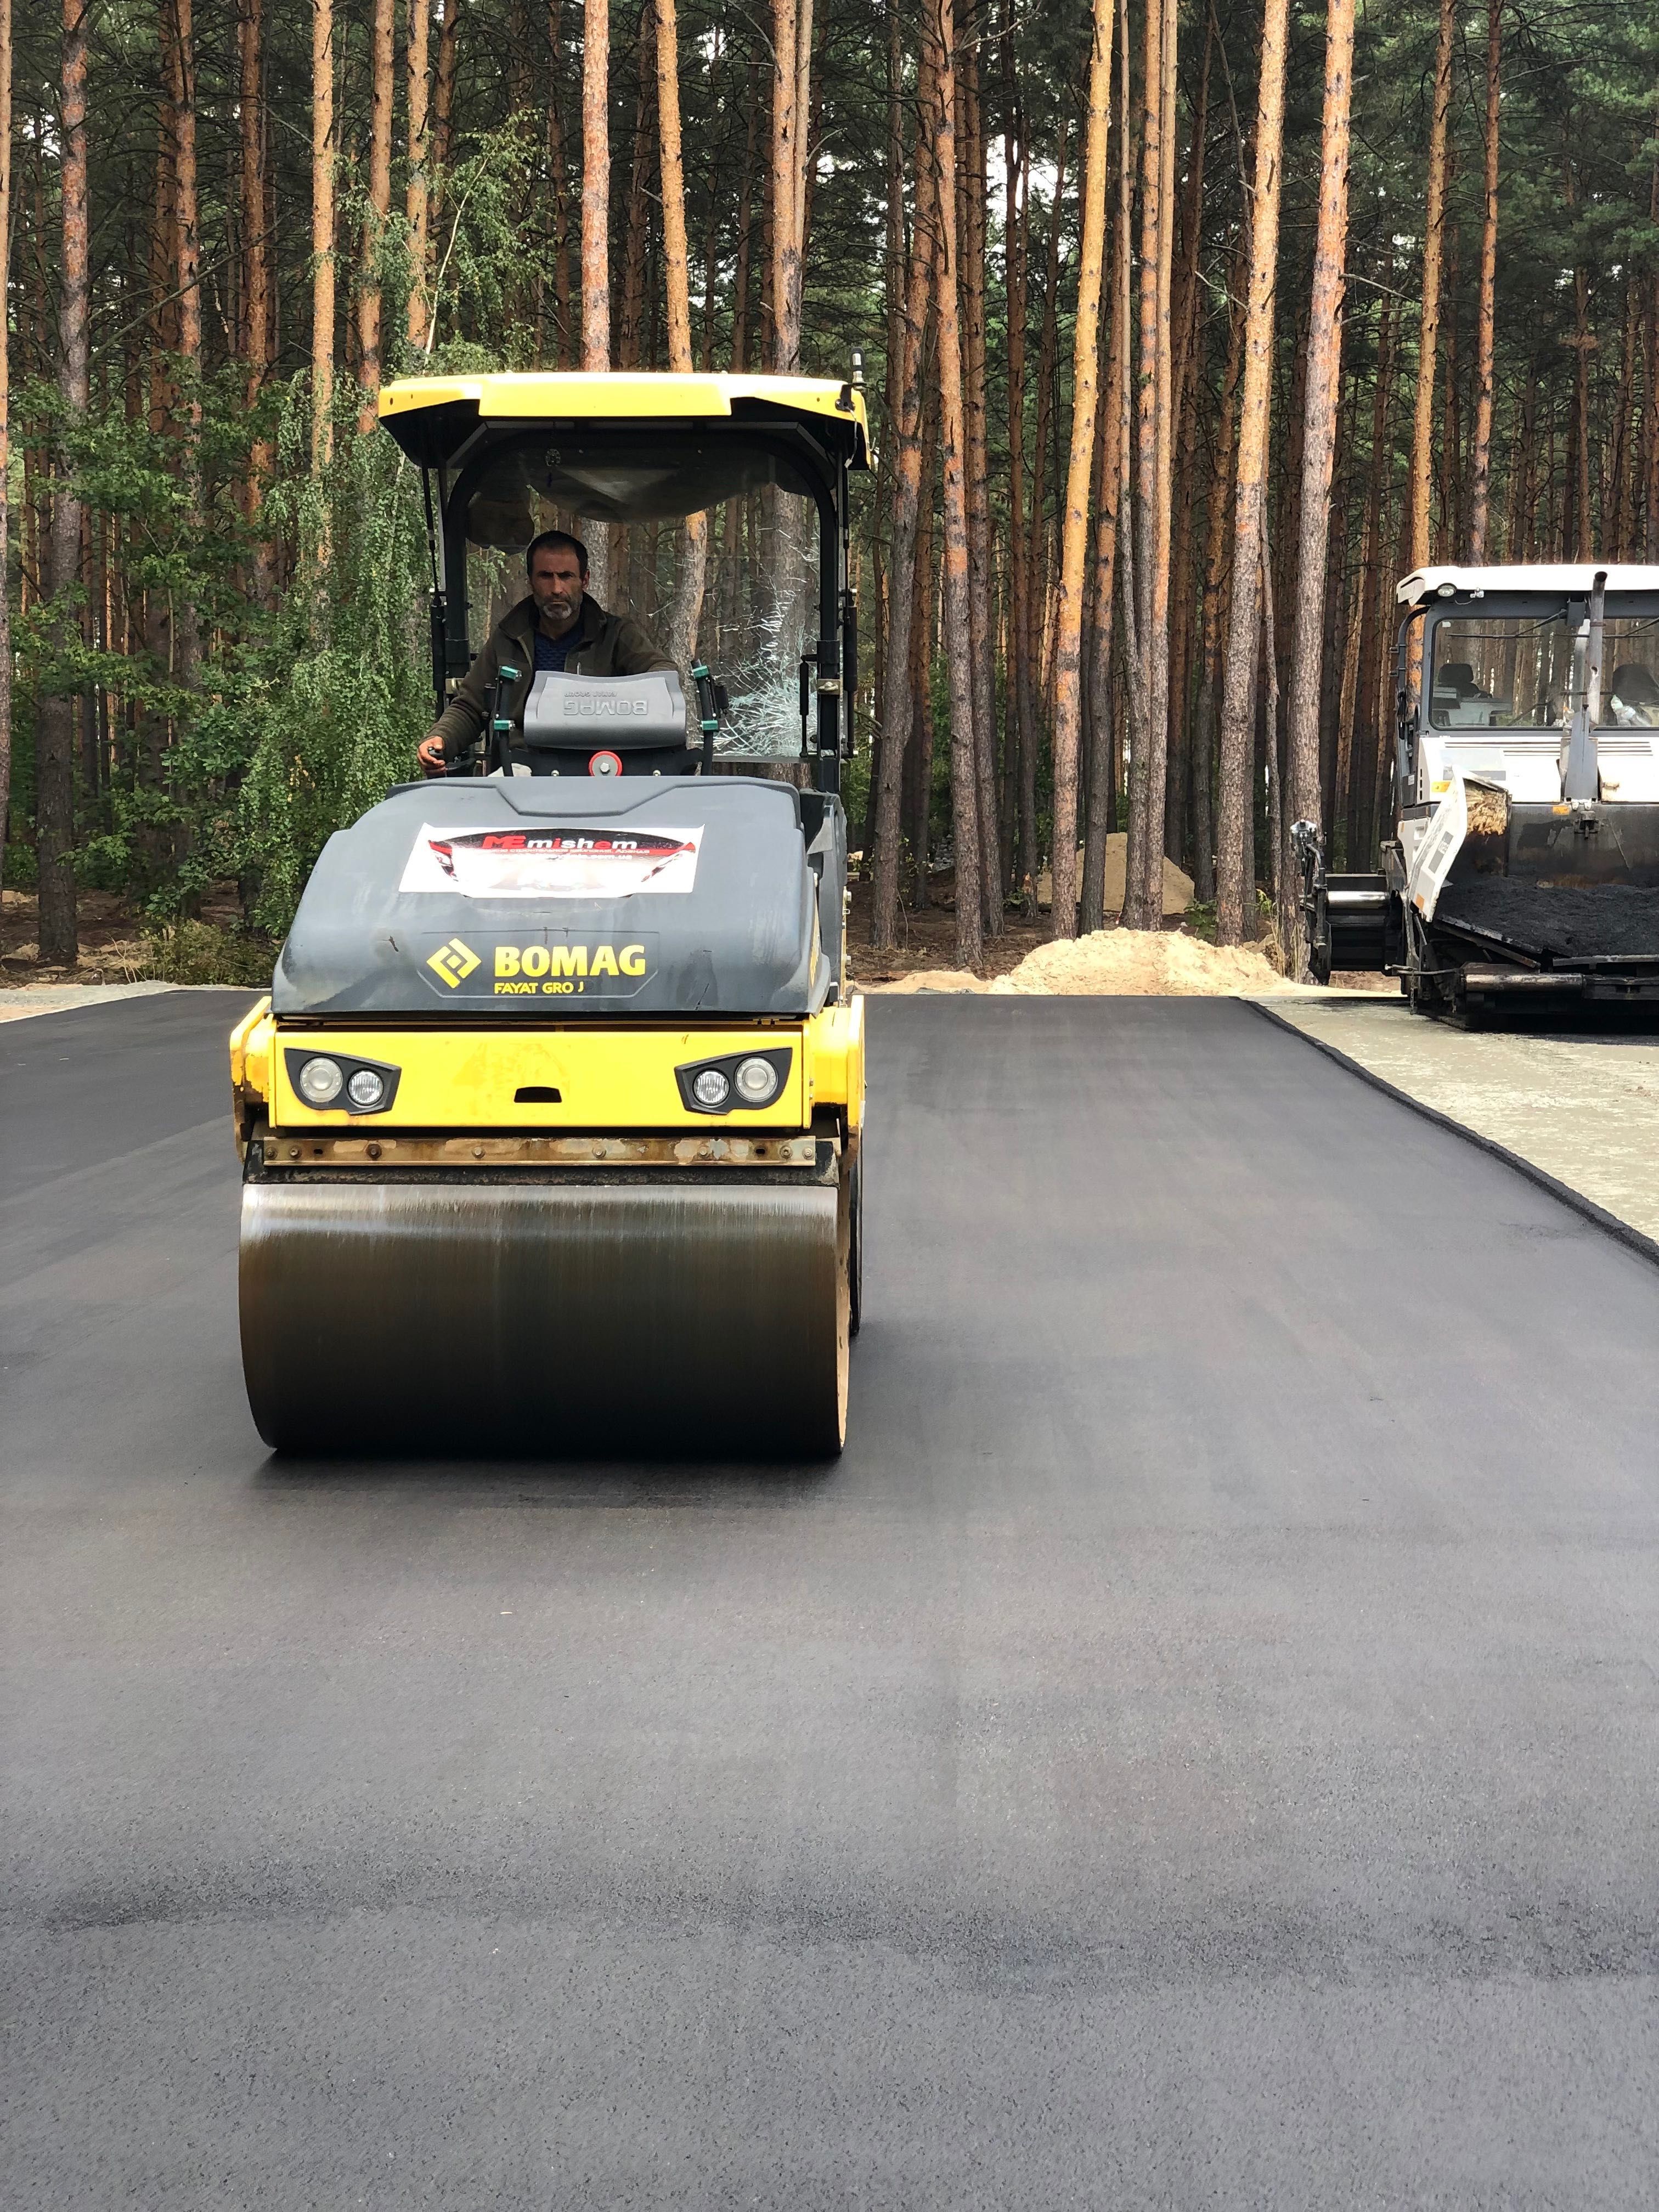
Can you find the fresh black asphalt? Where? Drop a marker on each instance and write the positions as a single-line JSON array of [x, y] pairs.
[[1198, 1746]]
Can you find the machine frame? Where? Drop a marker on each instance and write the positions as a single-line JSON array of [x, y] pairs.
[[549, 1150]]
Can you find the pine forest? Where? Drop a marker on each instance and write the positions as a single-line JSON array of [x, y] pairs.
[[1187, 327]]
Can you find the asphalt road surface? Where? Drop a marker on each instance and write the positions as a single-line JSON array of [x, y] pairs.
[[1198, 1746]]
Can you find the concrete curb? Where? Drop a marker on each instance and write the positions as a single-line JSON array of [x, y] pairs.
[[1637, 1239]]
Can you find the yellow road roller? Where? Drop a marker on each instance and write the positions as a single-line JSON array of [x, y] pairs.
[[551, 1123]]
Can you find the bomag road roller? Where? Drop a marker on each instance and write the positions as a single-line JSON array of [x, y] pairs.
[[551, 1123], [1522, 871]]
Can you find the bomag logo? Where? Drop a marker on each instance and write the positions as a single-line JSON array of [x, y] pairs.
[[559, 969], [603, 702], [453, 963]]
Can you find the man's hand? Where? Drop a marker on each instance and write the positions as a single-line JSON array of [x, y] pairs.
[[431, 755]]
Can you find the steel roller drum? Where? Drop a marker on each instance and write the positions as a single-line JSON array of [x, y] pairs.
[[553, 1319]]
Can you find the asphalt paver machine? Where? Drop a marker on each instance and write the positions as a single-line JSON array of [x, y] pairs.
[[551, 1125], [1522, 869]]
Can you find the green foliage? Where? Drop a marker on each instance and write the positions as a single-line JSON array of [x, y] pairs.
[[332, 705], [305, 705], [200, 952]]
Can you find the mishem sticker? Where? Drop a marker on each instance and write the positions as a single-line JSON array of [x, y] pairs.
[[551, 862]]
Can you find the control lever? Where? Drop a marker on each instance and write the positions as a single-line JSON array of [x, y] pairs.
[[808, 662], [711, 704], [501, 727]]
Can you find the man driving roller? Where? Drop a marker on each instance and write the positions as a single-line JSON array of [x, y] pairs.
[[558, 628]]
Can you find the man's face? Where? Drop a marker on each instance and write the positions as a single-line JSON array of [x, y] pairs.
[[556, 580]]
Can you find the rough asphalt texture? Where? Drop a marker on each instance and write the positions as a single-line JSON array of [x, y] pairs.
[[1199, 1746], [1614, 918]]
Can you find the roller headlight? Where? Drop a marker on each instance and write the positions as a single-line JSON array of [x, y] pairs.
[[757, 1081], [736, 1083], [320, 1081], [340, 1082]]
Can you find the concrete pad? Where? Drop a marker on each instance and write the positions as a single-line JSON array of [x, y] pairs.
[[1582, 1110], [60, 998]]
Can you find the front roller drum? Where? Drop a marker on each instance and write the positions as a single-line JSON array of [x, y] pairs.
[[551, 1319]]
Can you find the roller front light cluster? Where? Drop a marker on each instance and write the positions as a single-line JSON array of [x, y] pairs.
[[339, 1082], [740, 1080]]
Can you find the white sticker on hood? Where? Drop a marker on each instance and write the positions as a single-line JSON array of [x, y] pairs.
[[574, 860]]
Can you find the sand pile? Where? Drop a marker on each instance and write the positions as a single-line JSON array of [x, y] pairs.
[[1143, 964]]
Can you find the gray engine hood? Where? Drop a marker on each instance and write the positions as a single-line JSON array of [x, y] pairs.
[[560, 897]]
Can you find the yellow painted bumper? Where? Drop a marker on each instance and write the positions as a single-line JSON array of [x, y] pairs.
[[606, 1078]]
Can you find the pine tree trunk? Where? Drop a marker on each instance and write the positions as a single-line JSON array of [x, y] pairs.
[[1016, 232], [187, 262], [971, 229], [1184, 388], [1219, 498], [1112, 441], [5, 430], [1421, 476], [1485, 315], [596, 185], [940, 26], [417, 201], [1334, 649], [634, 252], [1143, 900], [1617, 485], [596, 235], [1037, 532], [154, 727], [322, 232], [443, 126], [897, 704], [919, 760], [810, 105], [1233, 871], [1302, 798], [55, 721], [1375, 585], [1074, 527], [717, 194], [803, 125], [1162, 536], [256, 266], [1578, 539], [892, 287], [381, 51], [740, 325], [692, 564], [785, 132]]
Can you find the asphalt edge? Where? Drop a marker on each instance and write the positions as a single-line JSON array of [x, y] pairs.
[[1624, 1233]]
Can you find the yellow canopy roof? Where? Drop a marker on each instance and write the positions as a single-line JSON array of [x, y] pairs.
[[627, 396]]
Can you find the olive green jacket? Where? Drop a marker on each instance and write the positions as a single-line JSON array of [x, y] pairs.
[[607, 645]]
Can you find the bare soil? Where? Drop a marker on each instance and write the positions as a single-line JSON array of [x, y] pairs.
[[927, 939], [112, 947], [116, 945]]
